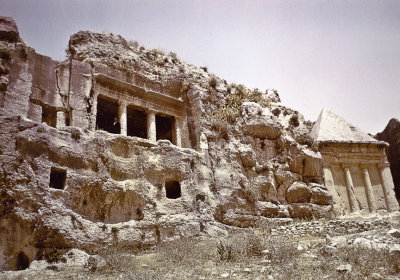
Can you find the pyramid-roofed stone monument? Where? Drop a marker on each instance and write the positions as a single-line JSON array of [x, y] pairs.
[[331, 127], [355, 166]]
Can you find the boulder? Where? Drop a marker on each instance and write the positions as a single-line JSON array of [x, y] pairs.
[[267, 209], [322, 211], [300, 210], [344, 268], [76, 257], [298, 192], [320, 196], [257, 124], [394, 232], [362, 242]]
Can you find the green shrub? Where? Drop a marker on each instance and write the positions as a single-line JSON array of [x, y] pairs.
[[56, 255], [213, 82], [276, 112], [294, 121]]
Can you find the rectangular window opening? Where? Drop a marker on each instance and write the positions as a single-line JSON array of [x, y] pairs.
[[57, 178], [107, 116], [164, 127], [136, 122], [49, 116], [173, 189]]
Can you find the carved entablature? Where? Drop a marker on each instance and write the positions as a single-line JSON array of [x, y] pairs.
[[138, 96], [353, 153]]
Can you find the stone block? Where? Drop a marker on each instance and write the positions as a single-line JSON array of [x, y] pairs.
[[300, 210], [298, 192], [321, 196]]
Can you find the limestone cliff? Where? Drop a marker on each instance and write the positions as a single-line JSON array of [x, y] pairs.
[[391, 134], [193, 156]]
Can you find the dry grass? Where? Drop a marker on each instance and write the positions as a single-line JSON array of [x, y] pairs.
[[236, 95], [243, 254], [248, 254]]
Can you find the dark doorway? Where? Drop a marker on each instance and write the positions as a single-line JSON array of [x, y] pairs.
[[22, 261], [136, 122], [173, 189], [57, 178], [49, 116], [106, 112], [164, 127]]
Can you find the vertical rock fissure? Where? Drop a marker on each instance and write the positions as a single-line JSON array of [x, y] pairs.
[[59, 91], [69, 109], [90, 100]]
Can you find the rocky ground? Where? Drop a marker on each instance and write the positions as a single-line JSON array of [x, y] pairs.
[[352, 248]]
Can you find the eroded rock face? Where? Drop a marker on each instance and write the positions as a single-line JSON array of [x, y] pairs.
[[391, 134], [68, 183], [8, 29]]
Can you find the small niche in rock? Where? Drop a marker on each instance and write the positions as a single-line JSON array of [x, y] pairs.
[[22, 261], [49, 116], [57, 178], [173, 189]]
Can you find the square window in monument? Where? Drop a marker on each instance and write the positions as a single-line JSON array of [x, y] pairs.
[[173, 189], [164, 127], [136, 122], [107, 111], [49, 116], [57, 178]]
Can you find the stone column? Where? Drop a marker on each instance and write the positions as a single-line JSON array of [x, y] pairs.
[[61, 117], [151, 126], [330, 185], [122, 117], [350, 189], [178, 134], [368, 189], [388, 187]]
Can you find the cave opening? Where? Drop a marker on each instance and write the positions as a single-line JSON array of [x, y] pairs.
[[107, 111], [173, 189], [136, 122], [164, 127], [57, 178], [22, 261]]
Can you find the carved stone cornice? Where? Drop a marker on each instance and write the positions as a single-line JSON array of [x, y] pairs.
[[139, 96], [383, 165], [346, 165], [364, 166]]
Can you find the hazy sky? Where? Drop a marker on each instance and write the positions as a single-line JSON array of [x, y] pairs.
[[342, 54]]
